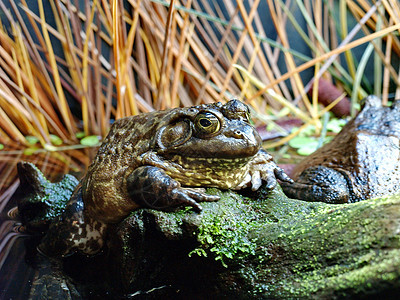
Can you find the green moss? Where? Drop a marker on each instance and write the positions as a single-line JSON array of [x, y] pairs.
[[57, 195], [42, 200], [338, 249], [224, 231], [338, 279]]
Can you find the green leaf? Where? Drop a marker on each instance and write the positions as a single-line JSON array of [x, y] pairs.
[[1, 146], [270, 126], [301, 141], [209, 239], [308, 149], [228, 255], [283, 112], [335, 125], [55, 140], [198, 252], [32, 140], [91, 140], [304, 145], [80, 135], [30, 151], [309, 130]]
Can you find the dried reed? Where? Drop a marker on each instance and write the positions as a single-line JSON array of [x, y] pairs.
[[89, 65]]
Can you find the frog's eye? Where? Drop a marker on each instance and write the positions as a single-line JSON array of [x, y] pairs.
[[206, 123]]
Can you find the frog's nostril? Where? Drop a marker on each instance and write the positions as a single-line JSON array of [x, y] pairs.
[[238, 133], [235, 133]]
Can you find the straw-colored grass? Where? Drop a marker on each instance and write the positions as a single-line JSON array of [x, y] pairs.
[[85, 67]]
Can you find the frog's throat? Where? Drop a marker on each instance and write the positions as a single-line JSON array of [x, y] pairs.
[[206, 172]]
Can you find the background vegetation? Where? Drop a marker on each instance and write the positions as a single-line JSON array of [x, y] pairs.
[[69, 68]]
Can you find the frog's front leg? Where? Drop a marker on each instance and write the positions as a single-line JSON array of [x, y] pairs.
[[263, 167], [151, 187]]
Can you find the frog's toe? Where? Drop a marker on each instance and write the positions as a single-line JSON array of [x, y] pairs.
[[281, 175], [256, 181], [245, 182], [270, 182], [184, 199], [200, 196], [191, 197]]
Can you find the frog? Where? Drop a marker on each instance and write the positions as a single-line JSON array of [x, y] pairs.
[[161, 160], [362, 161]]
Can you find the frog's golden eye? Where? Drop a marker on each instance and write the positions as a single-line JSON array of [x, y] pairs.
[[206, 123]]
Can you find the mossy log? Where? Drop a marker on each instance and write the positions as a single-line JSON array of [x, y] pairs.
[[261, 246], [272, 247]]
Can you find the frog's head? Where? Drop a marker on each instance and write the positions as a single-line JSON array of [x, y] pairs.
[[378, 119], [208, 131]]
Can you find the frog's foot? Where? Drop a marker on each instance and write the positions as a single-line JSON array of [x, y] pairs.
[[64, 239], [262, 167], [151, 187], [73, 231], [319, 184]]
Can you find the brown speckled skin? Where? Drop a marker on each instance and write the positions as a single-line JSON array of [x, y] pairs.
[[361, 162], [159, 160]]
